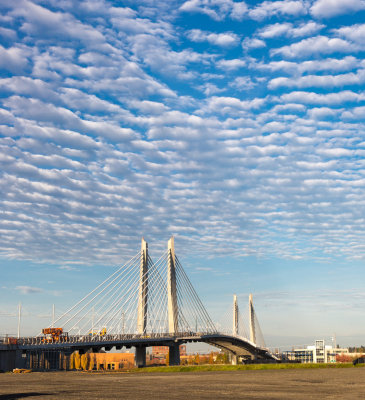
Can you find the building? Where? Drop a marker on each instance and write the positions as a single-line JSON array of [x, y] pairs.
[[158, 351], [112, 361], [319, 353]]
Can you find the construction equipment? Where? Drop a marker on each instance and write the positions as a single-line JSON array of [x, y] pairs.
[[53, 334], [102, 332]]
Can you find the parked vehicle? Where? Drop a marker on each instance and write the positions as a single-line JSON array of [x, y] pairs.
[[359, 360]]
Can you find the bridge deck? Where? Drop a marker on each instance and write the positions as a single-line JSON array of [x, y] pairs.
[[235, 344]]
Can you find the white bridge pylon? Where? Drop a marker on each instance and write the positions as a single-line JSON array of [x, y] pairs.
[[142, 297], [145, 300], [255, 335]]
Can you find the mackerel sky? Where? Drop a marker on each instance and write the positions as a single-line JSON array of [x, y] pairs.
[[236, 126]]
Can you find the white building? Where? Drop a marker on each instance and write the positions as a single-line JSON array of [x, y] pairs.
[[319, 353]]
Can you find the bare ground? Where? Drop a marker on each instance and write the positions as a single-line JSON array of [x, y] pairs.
[[347, 383]]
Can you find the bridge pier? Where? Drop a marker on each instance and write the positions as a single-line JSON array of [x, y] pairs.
[[234, 359], [174, 354], [45, 360], [140, 356]]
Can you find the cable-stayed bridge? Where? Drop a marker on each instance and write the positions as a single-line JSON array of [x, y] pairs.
[[146, 303]]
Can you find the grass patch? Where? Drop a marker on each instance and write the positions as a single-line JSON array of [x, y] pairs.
[[249, 367]]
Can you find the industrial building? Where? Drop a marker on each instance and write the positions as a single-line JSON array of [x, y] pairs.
[[319, 353]]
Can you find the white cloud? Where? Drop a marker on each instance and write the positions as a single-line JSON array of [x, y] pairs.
[[39, 19], [317, 98], [13, 59], [8, 33], [325, 64], [275, 30], [229, 104], [316, 45], [232, 64], [252, 43], [357, 113], [242, 83], [306, 29], [332, 8], [323, 112], [287, 29], [355, 33], [326, 81], [216, 9], [268, 9], [239, 10], [28, 289], [116, 112], [219, 39]]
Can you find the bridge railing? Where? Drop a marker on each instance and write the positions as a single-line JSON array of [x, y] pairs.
[[8, 339], [91, 339]]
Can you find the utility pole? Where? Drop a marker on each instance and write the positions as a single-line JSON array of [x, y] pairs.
[[19, 317], [123, 323], [92, 321]]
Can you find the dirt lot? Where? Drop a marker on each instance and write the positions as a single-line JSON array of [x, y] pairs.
[[299, 384]]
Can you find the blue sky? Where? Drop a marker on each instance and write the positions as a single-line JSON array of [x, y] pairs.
[[236, 126]]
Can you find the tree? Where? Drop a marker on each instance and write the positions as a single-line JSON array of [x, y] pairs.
[[91, 361], [197, 359], [344, 358], [211, 358], [77, 360], [72, 361], [222, 358], [219, 358], [168, 358], [85, 361]]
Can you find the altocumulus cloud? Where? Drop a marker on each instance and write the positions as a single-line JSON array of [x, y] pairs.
[[180, 118]]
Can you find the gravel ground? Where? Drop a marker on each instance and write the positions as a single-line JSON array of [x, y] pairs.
[[347, 383]]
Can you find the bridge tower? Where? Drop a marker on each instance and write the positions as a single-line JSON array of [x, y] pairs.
[[251, 313], [143, 289], [172, 307], [235, 316], [234, 357], [142, 303]]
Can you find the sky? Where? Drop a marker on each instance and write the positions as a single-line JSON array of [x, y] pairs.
[[237, 127]]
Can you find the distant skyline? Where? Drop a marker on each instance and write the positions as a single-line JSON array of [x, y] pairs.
[[237, 127]]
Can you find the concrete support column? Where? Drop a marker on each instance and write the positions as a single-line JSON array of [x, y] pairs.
[[234, 359], [171, 289], [251, 313], [140, 356], [235, 316], [143, 290], [174, 354]]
